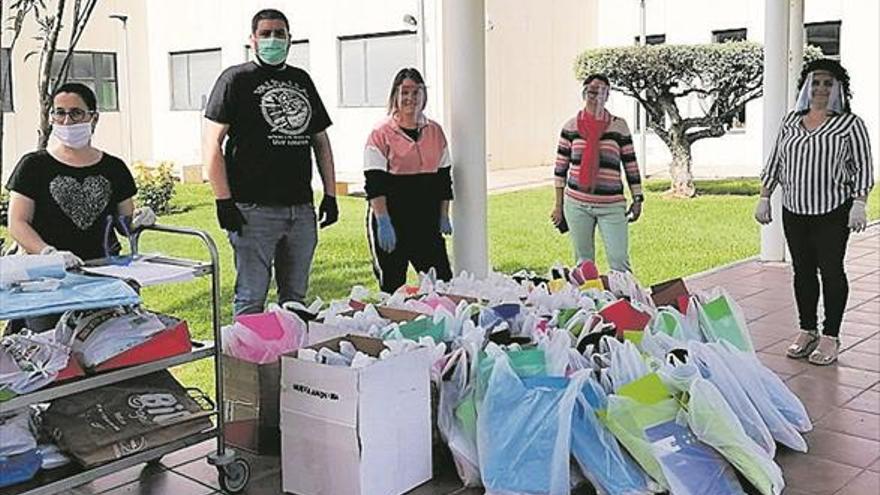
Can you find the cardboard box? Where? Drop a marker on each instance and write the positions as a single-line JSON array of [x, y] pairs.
[[356, 431], [321, 332], [250, 397]]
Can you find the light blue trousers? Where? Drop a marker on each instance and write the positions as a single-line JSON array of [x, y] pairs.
[[275, 238], [582, 220]]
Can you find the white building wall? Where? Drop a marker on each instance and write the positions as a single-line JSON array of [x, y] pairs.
[[102, 34], [692, 21], [178, 133]]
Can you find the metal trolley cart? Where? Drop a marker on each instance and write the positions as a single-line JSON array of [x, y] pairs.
[[233, 470]]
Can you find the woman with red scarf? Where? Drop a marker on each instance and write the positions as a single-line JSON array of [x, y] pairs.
[[594, 146]]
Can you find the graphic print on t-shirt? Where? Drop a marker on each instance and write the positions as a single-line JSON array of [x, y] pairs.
[[82, 201], [285, 107]]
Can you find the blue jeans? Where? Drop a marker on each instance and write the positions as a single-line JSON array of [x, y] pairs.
[[285, 236], [583, 218]]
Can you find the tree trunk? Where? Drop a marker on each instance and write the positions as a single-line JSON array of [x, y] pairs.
[[44, 82], [680, 169]]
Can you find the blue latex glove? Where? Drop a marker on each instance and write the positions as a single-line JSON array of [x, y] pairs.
[[387, 239], [445, 225]]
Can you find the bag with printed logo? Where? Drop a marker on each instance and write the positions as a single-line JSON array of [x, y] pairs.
[[104, 424]]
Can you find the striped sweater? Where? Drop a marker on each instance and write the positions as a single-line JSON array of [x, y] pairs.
[[615, 149]]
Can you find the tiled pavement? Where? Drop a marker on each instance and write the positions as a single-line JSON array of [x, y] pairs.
[[843, 400]]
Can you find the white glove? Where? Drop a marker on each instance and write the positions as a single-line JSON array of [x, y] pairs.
[[143, 217], [858, 218], [70, 260], [763, 211]]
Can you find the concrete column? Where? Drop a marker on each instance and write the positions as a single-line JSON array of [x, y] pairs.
[[464, 72], [795, 48], [776, 73]]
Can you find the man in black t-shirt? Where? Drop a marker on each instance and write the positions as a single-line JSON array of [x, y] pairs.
[[271, 117]]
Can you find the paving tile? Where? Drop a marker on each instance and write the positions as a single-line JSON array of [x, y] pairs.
[[847, 376], [870, 345], [859, 328], [867, 401], [860, 360], [165, 483], [858, 423], [782, 364], [862, 317], [876, 466], [190, 453], [119, 478], [815, 475], [867, 483], [814, 388], [762, 342], [840, 447]]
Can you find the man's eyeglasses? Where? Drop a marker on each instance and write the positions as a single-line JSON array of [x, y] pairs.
[[77, 115]]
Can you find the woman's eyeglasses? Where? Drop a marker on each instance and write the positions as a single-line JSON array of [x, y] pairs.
[[77, 115]]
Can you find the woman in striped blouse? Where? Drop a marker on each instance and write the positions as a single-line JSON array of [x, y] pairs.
[[593, 147], [822, 162]]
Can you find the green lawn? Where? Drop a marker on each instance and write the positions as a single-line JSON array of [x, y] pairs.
[[673, 238]]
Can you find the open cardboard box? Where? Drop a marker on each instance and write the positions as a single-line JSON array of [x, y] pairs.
[[321, 332], [360, 431]]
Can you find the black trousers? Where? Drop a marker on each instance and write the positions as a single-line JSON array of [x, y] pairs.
[[417, 243], [818, 244]]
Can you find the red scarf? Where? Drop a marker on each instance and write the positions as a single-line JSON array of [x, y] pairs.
[[591, 129]]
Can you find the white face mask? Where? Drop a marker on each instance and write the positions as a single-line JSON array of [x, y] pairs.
[[74, 135]]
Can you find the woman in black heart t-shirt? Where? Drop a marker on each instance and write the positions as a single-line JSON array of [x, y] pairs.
[[60, 197]]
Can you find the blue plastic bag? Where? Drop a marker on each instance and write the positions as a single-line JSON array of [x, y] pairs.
[[76, 292], [19, 468], [524, 432], [597, 452]]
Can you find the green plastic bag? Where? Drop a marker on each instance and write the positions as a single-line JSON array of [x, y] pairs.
[[722, 319], [422, 327], [638, 405]]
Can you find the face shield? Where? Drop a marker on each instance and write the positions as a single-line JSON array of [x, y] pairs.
[[820, 90], [410, 97], [596, 97]]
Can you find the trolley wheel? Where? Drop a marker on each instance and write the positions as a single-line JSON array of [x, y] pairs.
[[233, 477]]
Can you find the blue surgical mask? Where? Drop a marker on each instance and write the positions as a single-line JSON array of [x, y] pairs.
[[272, 51]]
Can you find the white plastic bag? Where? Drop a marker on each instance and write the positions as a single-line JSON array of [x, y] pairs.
[[782, 397], [714, 423], [712, 368], [627, 364], [17, 433], [32, 361], [749, 378], [454, 391]]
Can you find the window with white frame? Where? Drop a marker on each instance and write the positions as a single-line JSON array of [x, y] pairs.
[[825, 35], [738, 121], [724, 35], [97, 70], [297, 56], [6, 74], [192, 76], [652, 39], [368, 64]]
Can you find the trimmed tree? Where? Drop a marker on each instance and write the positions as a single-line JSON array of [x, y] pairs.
[[52, 71], [723, 76]]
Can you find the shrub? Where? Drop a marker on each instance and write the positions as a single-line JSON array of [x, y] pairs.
[[155, 186]]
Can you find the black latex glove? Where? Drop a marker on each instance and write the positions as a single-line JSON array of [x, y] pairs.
[[328, 212], [229, 216]]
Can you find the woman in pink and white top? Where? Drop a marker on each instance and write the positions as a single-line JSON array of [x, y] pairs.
[[409, 187]]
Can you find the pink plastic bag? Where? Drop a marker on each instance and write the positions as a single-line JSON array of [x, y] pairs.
[[264, 337]]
